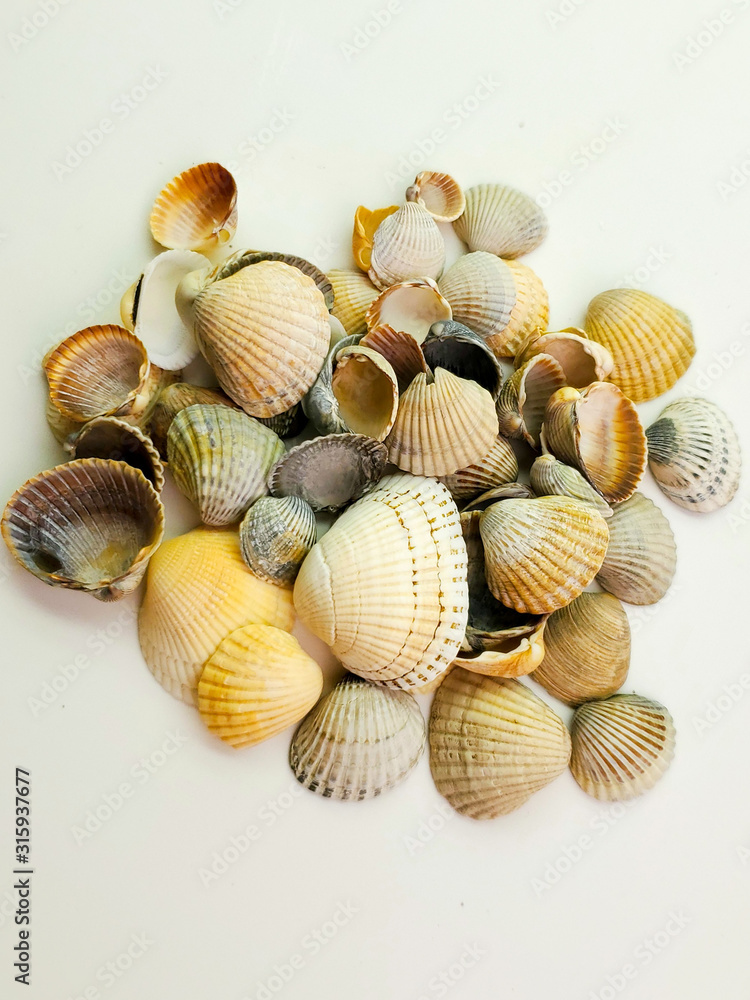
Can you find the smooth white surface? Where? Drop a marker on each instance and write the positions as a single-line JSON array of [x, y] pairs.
[[345, 121]]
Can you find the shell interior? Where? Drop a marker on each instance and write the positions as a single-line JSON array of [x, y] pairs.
[[329, 472]]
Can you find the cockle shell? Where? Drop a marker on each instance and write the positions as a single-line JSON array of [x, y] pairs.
[[457, 349], [583, 361], [220, 459], [386, 588], [651, 343], [505, 491], [621, 746], [62, 427], [320, 404], [115, 439], [359, 741], [354, 293], [401, 351], [197, 210], [598, 431], [549, 477], [365, 387], [409, 307], [500, 220], [540, 554], [694, 454], [257, 683], [366, 222], [198, 590], [498, 466], [178, 397], [406, 245], [641, 556], [89, 525], [530, 312], [245, 258], [439, 193], [483, 294], [493, 743], [587, 649], [275, 536], [523, 399]]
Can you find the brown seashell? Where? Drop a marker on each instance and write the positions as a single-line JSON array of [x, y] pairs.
[[583, 361], [401, 351], [439, 193], [523, 399], [119, 441], [197, 210]]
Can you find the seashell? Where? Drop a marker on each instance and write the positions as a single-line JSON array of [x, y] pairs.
[[197, 210], [386, 588], [439, 193], [220, 459], [88, 525], [587, 649], [621, 746], [493, 743], [366, 222], [354, 293], [498, 466], [245, 258], [530, 312], [540, 554], [694, 454], [365, 387], [115, 439], [275, 536], [406, 245], [175, 398], [641, 557], [459, 350], [198, 590], [258, 683], [409, 307], [320, 405], [157, 380], [651, 343], [401, 351], [505, 491], [263, 329], [128, 304], [598, 431], [583, 361], [442, 426], [552, 478], [329, 472], [523, 399], [288, 424], [500, 220], [358, 741], [62, 427], [483, 294]]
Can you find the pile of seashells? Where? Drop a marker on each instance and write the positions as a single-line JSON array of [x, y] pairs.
[[442, 570]]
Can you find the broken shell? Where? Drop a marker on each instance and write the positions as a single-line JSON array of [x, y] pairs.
[[598, 431], [197, 210], [366, 222], [523, 399], [540, 554], [530, 312], [409, 307], [439, 193], [694, 454], [258, 683], [500, 220], [178, 397], [88, 525], [549, 477], [482, 293], [358, 741], [401, 351], [111, 438], [587, 649], [505, 491], [498, 466], [406, 245], [354, 293], [331, 471], [275, 536], [366, 388], [641, 557], [583, 361], [386, 587], [493, 744], [621, 746], [457, 349], [220, 459], [198, 590], [651, 343]]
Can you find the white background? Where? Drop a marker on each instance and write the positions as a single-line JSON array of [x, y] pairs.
[[351, 115]]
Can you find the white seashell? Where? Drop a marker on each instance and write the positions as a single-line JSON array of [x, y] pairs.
[[409, 307], [439, 193], [407, 245], [501, 220]]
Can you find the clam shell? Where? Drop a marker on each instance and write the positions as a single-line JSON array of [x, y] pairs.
[[694, 454], [198, 590], [111, 438], [523, 399], [258, 682], [401, 351], [366, 222], [197, 210], [178, 397], [220, 459], [540, 554], [549, 477], [358, 741], [386, 587], [651, 343], [583, 361], [498, 466], [409, 307], [500, 220], [88, 525], [439, 193], [587, 649], [275, 536], [530, 312], [245, 258], [483, 294], [329, 472], [406, 245], [641, 557], [457, 349], [598, 431], [442, 426], [493, 743], [621, 746], [320, 405], [354, 293], [365, 387]]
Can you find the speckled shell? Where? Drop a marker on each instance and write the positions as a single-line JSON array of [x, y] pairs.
[[365, 388], [115, 439], [483, 294], [523, 399], [177, 397], [583, 361], [197, 210], [439, 193], [499, 465], [406, 245], [549, 477], [275, 536], [641, 556], [501, 220], [409, 307], [366, 222], [354, 293]]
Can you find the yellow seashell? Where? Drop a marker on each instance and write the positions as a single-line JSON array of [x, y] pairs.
[[353, 295], [366, 389], [197, 210], [439, 193], [530, 312], [366, 221], [406, 245]]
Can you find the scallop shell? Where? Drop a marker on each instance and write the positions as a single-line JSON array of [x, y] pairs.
[[111, 438], [651, 343], [88, 525], [220, 459], [386, 588], [493, 744], [549, 477], [329, 472], [439, 193], [540, 554], [406, 245], [354, 293], [498, 466], [198, 590], [621, 746], [245, 258], [530, 312], [587, 649], [258, 682], [598, 431], [483, 294], [409, 307], [275, 536], [401, 351], [442, 426], [365, 387], [197, 210], [583, 361], [500, 220], [175, 398], [641, 557], [694, 454], [457, 349], [366, 222], [523, 399], [358, 741]]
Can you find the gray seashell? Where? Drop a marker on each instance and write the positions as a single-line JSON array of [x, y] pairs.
[[501, 220], [549, 477], [275, 536], [177, 397], [641, 556], [115, 439], [320, 405], [459, 350]]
